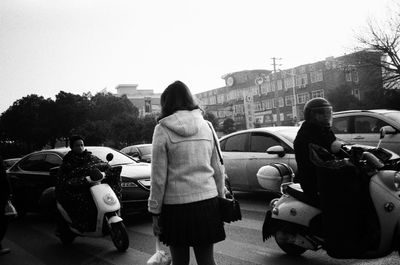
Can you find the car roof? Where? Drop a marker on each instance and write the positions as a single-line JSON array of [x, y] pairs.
[[62, 151], [275, 129], [377, 111]]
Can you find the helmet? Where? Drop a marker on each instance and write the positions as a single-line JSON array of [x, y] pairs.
[[315, 105]]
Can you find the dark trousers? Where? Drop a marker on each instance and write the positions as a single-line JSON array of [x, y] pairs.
[[3, 222]]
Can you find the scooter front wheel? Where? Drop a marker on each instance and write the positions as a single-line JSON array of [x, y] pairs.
[[119, 236]]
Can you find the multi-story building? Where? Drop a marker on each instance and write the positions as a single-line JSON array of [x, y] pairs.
[[145, 100], [262, 98]]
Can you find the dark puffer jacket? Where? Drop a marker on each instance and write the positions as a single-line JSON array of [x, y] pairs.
[[72, 189], [307, 174]]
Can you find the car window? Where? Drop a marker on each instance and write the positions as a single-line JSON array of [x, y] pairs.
[[33, 163], [365, 124], [145, 150], [222, 145], [394, 116], [236, 143], [52, 161], [260, 142], [340, 125]]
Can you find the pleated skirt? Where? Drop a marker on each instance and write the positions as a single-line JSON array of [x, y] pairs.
[[192, 224]]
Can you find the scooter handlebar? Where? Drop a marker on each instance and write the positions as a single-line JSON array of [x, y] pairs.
[[89, 179]]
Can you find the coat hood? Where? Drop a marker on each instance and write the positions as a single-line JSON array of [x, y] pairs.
[[184, 123]]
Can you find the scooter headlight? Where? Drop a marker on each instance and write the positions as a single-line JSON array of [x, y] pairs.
[[109, 199], [396, 180]]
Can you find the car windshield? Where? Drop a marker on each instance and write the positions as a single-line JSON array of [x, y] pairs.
[[119, 158], [394, 116], [145, 150]]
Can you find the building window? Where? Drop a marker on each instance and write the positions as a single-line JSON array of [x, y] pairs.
[[356, 93], [268, 86], [279, 84], [289, 100], [279, 102], [355, 76], [301, 80], [273, 86], [282, 116], [316, 76], [268, 104], [317, 94], [288, 82], [348, 76], [303, 98], [220, 98]]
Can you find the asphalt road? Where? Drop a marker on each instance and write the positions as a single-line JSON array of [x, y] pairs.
[[33, 242]]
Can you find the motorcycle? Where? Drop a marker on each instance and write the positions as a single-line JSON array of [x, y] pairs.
[[108, 215], [295, 221]]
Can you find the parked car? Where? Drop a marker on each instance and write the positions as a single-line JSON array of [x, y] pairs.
[[245, 152], [142, 152], [362, 127], [7, 163], [33, 185]]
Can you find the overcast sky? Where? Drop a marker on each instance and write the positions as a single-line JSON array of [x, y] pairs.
[[81, 45]]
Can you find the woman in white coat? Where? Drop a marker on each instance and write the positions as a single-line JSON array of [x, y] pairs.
[[186, 179]]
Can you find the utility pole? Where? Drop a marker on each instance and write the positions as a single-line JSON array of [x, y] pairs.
[[278, 119]]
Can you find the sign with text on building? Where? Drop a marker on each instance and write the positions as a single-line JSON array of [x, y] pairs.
[[248, 110]]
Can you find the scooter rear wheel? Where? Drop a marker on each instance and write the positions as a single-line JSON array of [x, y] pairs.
[[119, 236]]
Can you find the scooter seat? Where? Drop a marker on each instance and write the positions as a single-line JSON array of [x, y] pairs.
[[296, 191]]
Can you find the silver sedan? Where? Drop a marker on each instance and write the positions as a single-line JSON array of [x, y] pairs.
[[245, 152]]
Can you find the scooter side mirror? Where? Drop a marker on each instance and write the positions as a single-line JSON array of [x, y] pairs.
[[387, 130], [109, 157]]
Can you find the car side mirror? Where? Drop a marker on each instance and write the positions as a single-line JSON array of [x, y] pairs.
[[387, 130], [109, 157], [276, 150]]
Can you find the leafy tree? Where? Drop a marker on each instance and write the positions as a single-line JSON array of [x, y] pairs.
[[108, 106], [28, 122], [148, 123], [211, 118], [71, 112], [228, 126]]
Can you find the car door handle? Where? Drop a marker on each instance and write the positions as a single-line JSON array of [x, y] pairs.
[[358, 138]]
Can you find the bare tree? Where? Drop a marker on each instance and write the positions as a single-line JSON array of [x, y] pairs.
[[384, 37]]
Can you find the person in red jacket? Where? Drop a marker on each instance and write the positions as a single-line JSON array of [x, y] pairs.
[[5, 192]]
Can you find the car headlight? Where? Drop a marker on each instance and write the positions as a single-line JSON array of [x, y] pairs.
[[396, 180]]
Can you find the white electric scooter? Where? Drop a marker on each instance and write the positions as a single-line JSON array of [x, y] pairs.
[[291, 217], [108, 219]]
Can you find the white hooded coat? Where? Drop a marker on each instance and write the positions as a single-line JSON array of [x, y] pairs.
[[185, 163]]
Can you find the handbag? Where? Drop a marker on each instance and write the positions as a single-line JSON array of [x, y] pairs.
[[229, 208], [10, 210]]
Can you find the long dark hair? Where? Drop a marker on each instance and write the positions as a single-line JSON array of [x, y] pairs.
[[176, 97]]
